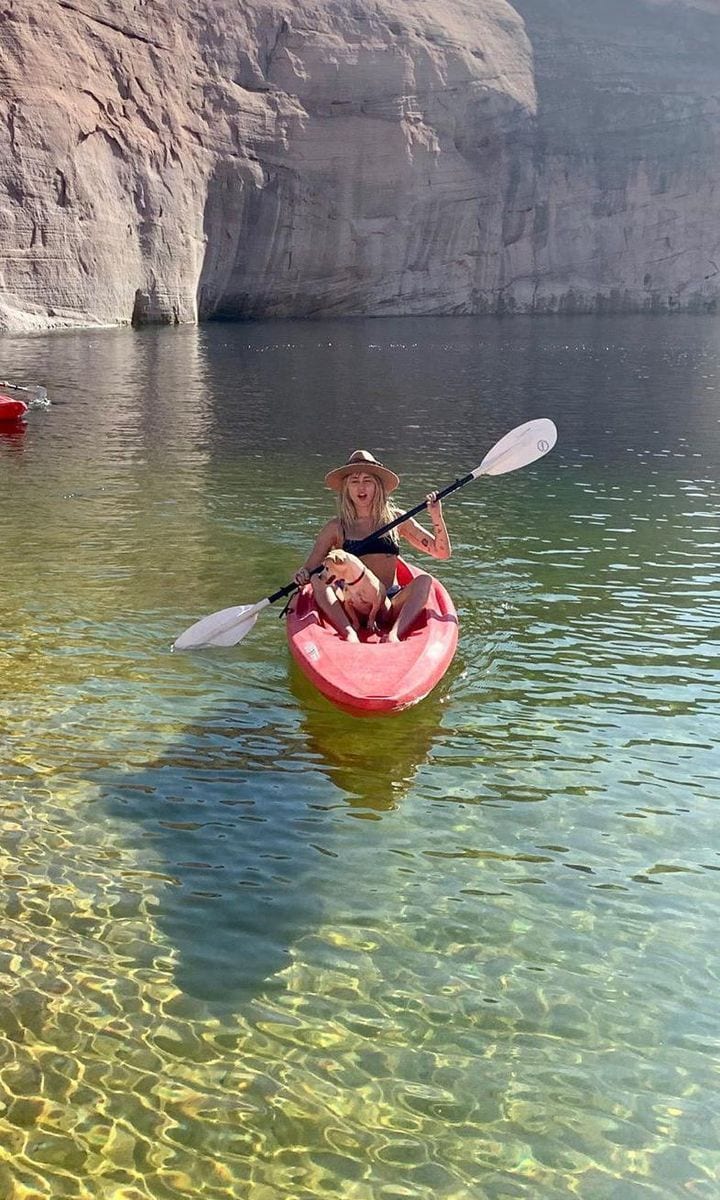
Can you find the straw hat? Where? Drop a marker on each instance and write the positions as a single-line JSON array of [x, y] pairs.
[[365, 462]]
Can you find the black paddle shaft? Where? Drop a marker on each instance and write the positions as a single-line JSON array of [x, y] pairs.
[[412, 512]]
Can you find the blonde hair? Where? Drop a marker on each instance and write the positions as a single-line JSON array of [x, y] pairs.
[[382, 512]]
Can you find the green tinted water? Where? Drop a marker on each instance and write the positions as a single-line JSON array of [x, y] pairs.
[[253, 947]]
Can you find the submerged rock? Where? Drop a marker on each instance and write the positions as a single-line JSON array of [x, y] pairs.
[[161, 162]]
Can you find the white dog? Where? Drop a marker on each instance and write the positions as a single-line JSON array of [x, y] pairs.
[[363, 595]]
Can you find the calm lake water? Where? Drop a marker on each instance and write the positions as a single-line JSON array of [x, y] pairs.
[[255, 948]]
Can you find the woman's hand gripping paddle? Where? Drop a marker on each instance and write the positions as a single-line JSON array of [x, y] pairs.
[[518, 448]]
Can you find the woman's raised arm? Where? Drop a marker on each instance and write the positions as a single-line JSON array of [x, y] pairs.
[[436, 544]]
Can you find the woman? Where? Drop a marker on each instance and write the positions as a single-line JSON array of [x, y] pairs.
[[363, 486]]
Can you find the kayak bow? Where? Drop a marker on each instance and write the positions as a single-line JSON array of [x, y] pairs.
[[12, 410]]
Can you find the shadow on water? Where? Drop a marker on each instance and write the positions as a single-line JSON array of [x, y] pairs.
[[244, 824]]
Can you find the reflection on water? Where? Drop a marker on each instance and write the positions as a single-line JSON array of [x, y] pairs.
[[255, 947], [12, 434], [373, 763]]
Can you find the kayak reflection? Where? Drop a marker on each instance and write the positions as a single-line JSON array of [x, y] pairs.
[[12, 433], [372, 760]]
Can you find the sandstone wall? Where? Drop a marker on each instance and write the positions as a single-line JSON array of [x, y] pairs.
[[164, 160]]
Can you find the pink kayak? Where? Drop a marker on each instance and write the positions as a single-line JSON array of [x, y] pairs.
[[374, 676]]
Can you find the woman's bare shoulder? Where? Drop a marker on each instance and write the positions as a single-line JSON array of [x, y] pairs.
[[331, 533]]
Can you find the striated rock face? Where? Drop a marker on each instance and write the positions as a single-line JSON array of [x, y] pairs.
[[166, 160]]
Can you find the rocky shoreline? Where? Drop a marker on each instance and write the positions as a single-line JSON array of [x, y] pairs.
[[242, 159]]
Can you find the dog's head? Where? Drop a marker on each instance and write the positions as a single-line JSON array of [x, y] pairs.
[[337, 564]]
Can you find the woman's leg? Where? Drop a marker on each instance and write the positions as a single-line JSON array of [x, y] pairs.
[[407, 606], [331, 607]]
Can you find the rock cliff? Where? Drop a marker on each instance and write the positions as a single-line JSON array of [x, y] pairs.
[[166, 160]]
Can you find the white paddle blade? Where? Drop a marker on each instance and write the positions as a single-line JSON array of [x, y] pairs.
[[40, 398], [520, 447], [224, 628]]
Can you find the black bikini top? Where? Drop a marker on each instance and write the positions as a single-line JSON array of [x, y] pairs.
[[383, 543]]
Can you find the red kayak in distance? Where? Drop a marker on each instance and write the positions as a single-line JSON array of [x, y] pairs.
[[374, 677], [11, 410]]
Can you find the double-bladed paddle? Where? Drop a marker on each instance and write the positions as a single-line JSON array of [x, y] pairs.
[[518, 448]]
